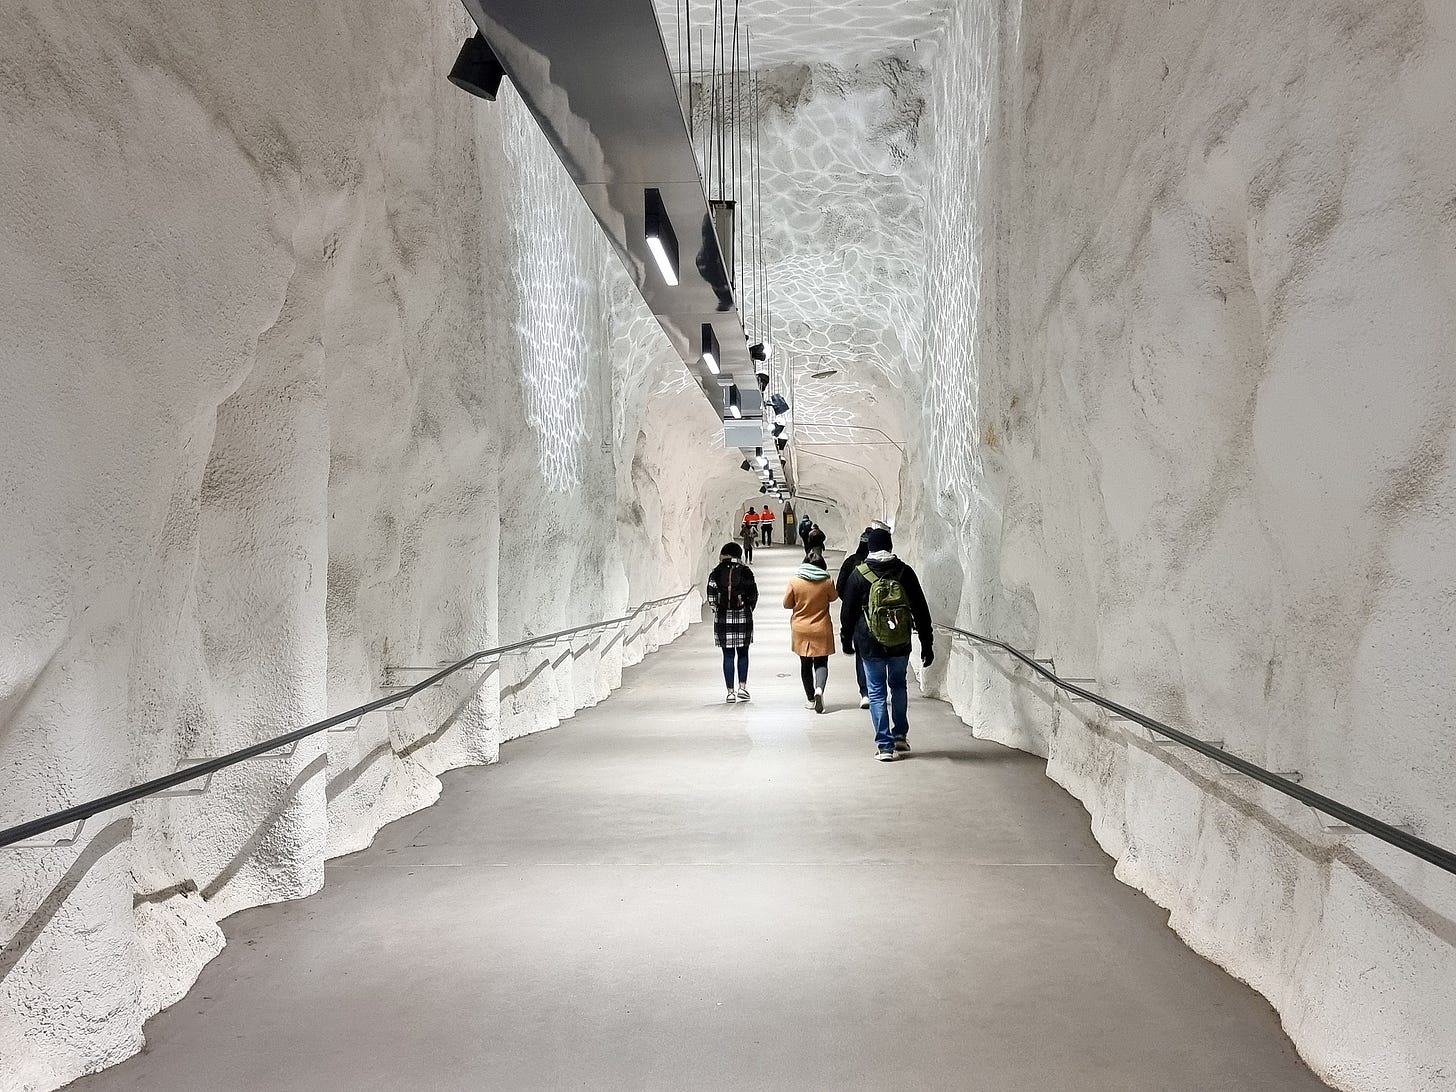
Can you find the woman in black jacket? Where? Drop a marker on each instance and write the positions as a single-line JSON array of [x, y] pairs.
[[734, 594]]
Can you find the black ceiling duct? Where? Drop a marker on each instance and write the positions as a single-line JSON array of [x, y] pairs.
[[783, 443], [477, 70], [778, 404]]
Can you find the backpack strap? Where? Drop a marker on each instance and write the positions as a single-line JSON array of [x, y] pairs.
[[864, 570]]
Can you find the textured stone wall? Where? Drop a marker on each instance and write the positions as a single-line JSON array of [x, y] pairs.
[[1186, 425], [312, 373]]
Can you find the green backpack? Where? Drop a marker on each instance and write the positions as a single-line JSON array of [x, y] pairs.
[[888, 611]]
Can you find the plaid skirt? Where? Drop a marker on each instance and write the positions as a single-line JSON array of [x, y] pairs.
[[733, 629]]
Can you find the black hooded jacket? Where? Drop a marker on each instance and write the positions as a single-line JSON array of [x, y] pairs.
[[850, 561], [854, 595]]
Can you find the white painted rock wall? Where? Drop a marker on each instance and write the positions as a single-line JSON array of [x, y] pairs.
[[308, 378], [1187, 405]]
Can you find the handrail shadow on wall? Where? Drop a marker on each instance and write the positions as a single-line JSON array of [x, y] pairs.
[[1398, 837], [23, 835]]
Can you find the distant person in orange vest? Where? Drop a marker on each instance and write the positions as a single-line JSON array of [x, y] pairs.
[[765, 526]]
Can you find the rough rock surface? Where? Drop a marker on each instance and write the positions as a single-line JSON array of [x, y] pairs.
[[309, 379], [317, 368], [1186, 421]]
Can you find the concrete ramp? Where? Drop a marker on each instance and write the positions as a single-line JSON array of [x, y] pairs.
[[675, 893]]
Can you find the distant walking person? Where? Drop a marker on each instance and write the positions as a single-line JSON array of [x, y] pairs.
[[748, 535], [733, 594], [811, 630], [814, 542], [850, 561], [805, 525], [883, 604], [765, 526]]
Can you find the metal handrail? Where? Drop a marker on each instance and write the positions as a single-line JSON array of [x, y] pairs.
[[82, 812], [1402, 839]]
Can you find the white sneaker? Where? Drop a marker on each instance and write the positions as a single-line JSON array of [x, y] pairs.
[[885, 756], [743, 693], [818, 701], [864, 703], [732, 697]]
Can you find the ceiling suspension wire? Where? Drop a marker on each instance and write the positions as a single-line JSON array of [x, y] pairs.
[[748, 187], [712, 78], [722, 95], [737, 162], [766, 324]]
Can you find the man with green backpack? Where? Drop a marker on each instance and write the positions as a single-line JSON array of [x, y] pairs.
[[882, 605]]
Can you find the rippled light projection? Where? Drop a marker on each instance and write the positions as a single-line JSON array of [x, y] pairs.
[[561, 323], [958, 222], [796, 30]]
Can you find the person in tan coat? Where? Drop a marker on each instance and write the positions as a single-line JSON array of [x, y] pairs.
[[811, 630]]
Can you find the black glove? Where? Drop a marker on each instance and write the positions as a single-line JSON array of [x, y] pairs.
[[927, 656], [847, 647]]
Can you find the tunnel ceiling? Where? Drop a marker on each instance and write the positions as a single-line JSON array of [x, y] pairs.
[[793, 31], [843, 89], [844, 243]]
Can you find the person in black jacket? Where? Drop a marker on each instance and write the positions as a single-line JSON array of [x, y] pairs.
[[885, 665], [850, 561], [733, 593]]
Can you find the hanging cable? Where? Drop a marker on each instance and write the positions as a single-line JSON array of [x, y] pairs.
[[737, 164]]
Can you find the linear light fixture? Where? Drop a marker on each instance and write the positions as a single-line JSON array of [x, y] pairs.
[[734, 407], [710, 348], [661, 239]]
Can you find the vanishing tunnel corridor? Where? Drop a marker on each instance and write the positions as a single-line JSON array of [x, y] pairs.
[[670, 892], [383, 379]]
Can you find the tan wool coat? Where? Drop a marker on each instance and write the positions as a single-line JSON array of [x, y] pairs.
[[812, 631]]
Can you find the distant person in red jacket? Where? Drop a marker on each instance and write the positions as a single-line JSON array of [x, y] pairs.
[[765, 526]]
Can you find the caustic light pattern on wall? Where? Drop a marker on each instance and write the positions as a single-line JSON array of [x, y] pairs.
[[796, 30], [959, 211], [561, 323]]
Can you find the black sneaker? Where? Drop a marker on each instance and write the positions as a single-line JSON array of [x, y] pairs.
[[902, 744], [885, 756]]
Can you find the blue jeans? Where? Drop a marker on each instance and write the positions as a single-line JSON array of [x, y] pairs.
[[885, 682], [742, 656]]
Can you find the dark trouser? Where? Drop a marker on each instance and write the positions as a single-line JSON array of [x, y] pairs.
[[748, 551], [741, 654], [767, 530], [859, 675], [814, 671]]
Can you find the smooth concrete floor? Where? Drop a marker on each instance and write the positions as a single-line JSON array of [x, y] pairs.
[[669, 892]]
